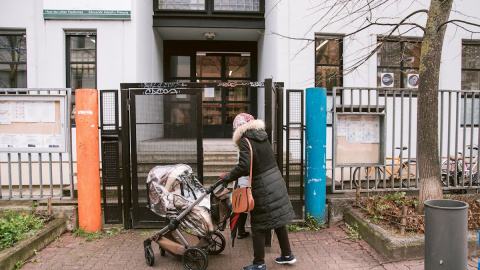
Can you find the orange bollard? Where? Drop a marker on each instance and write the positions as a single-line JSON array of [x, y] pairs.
[[88, 162]]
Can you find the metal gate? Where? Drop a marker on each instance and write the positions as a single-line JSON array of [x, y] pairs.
[[294, 173], [162, 126]]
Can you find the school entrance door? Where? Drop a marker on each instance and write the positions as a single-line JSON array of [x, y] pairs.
[[222, 62]]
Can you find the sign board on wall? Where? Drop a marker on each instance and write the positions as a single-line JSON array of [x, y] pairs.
[[33, 123], [87, 9], [359, 139]]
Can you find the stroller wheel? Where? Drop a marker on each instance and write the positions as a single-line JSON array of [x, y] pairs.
[[195, 259], [162, 251], [217, 243], [149, 256]]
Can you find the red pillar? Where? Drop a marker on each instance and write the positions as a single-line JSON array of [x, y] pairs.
[[88, 162]]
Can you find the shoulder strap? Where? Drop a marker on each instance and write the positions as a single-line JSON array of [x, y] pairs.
[[251, 166], [251, 161]]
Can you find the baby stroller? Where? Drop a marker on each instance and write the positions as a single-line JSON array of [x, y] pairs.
[[194, 217]]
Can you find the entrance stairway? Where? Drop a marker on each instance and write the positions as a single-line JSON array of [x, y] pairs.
[[219, 155]]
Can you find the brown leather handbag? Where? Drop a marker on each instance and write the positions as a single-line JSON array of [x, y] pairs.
[[242, 199]]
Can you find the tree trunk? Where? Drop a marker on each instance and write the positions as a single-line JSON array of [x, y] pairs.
[[428, 158]]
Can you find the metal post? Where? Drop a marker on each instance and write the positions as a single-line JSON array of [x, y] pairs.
[[88, 162], [315, 161]]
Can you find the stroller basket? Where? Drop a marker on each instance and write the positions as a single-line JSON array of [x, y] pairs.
[[176, 194]]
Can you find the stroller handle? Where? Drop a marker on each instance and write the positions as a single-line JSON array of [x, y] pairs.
[[215, 185]]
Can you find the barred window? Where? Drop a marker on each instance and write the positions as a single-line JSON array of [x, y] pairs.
[[13, 59]]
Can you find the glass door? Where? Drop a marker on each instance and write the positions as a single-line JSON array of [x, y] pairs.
[[222, 104]]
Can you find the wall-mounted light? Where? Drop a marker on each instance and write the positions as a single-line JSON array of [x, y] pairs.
[[209, 36]]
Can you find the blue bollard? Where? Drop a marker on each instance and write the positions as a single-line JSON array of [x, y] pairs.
[[315, 153]]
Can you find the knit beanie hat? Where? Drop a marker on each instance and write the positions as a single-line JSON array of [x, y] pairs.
[[241, 119]]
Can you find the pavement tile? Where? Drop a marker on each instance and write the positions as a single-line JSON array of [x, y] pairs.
[[326, 249]]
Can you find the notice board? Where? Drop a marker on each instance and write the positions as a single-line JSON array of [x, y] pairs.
[[359, 139], [33, 123]]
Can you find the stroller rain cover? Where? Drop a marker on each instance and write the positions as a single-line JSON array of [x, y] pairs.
[[173, 188]]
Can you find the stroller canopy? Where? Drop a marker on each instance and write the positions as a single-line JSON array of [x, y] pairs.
[[172, 189], [164, 182]]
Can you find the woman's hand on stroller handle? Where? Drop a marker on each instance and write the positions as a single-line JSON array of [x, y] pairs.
[[215, 185]]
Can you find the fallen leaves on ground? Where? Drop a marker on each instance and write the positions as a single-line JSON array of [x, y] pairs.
[[386, 211]]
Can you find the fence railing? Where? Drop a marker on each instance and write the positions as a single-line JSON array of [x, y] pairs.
[[43, 172], [377, 129]]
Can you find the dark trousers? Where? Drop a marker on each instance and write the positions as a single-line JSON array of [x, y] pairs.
[[242, 219], [258, 238]]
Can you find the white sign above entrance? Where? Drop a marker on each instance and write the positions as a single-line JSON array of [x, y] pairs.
[[87, 9]]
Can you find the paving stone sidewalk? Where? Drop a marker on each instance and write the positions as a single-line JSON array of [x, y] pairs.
[[327, 249]]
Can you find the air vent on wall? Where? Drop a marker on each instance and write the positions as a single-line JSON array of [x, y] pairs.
[[386, 79], [413, 80]]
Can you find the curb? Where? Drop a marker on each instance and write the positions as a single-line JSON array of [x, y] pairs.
[[396, 248], [26, 248]]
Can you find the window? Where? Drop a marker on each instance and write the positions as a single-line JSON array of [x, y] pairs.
[[13, 59], [328, 62], [471, 65], [329, 67], [81, 63], [237, 5], [218, 5], [398, 62], [181, 4], [470, 81]]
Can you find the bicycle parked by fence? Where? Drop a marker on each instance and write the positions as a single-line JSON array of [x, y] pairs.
[[461, 170], [401, 169]]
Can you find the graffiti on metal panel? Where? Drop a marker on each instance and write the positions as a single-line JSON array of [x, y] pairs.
[[163, 85], [234, 84], [161, 88], [160, 91]]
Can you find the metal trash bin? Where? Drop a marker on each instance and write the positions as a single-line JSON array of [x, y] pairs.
[[446, 234]]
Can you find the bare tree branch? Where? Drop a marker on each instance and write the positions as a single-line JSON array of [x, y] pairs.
[[455, 22]]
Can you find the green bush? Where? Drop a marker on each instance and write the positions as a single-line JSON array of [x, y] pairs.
[[16, 226]]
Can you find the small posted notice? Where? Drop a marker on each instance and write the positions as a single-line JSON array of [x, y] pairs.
[[360, 129]]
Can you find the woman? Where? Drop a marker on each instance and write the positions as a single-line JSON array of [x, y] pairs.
[[273, 209]]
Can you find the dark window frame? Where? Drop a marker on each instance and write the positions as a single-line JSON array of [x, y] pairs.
[[16, 33], [68, 63], [402, 67], [209, 9], [340, 57], [322, 36], [475, 97]]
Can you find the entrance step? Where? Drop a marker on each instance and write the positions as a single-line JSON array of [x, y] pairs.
[[168, 145]]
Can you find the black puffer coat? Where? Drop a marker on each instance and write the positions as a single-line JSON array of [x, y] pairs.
[[273, 208]]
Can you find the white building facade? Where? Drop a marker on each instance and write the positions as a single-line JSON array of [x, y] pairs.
[[101, 44]]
